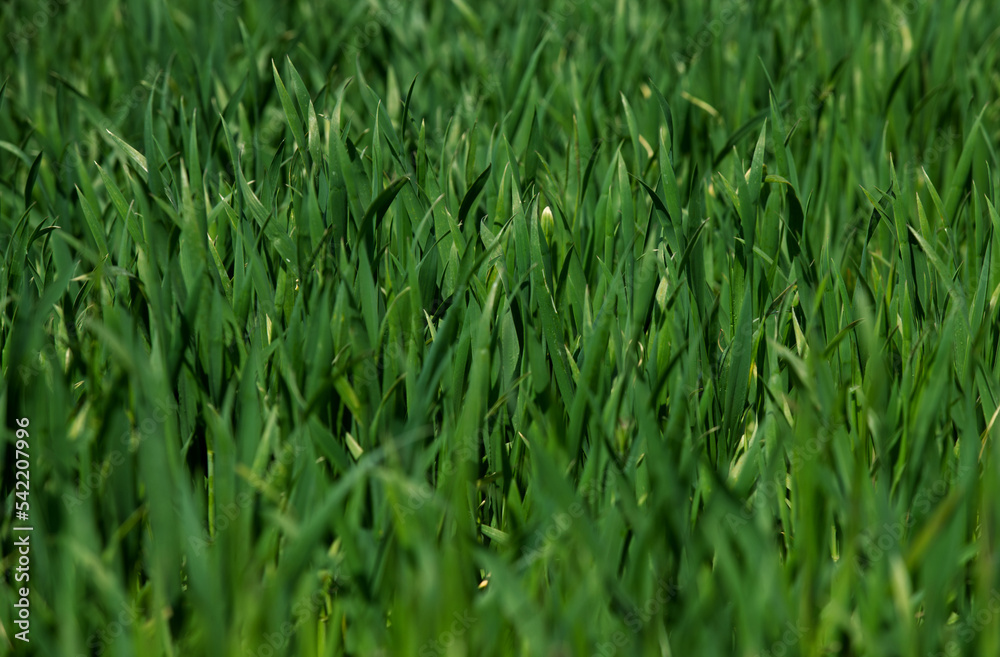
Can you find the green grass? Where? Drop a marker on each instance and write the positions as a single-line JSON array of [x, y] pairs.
[[457, 329]]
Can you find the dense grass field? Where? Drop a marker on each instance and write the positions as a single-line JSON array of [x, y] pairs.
[[452, 328]]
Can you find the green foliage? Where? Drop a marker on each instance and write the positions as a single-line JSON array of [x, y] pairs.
[[445, 329]]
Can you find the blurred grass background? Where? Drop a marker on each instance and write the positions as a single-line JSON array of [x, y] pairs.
[[560, 328]]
